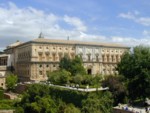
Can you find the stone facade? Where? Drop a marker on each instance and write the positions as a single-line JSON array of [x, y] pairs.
[[3, 69], [32, 60]]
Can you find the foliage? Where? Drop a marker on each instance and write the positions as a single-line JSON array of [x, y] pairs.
[[47, 99], [19, 110], [77, 67], [11, 81], [70, 108], [67, 108], [135, 66], [6, 104], [59, 77], [74, 66], [1, 93], [65, 63], [116, 86], [37, 100], [77, 79], [87, 80], [68, 96], [98, 103]]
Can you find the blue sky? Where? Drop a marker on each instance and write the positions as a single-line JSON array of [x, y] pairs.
[[112, 21]]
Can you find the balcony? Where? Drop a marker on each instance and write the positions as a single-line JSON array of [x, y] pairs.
[[3, 68]]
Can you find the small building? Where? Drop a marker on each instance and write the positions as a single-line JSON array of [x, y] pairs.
[[3, 69]]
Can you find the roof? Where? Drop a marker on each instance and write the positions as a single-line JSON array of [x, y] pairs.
[[4, 55], [71, 42], [43, 40], [14, 44]]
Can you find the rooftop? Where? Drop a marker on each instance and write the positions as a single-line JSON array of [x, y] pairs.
[[43, 40]]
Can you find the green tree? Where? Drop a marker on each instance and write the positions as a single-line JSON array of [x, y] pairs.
[[100, 102], [70, 108], [65, 63], [37, 100], [11, 81], [77, 66], [59, 77], [135, 66], [74, 66], [116, 87]]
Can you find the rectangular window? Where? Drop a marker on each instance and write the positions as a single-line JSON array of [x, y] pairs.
[[40, 72]]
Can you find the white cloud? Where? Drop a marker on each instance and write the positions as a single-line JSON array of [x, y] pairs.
[[130, 41], [127, 15], [136, 18], [26, 23], [75, 22]]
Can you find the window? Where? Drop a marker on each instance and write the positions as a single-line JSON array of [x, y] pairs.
[[60, 56], [47, 56], [107, 58], [103, 58], [47, 65], [54, 57], [40, 65], [40, 72], [89, 57], [97, 58], [40, 57], [73, 48], [112, 58], [54, 65]]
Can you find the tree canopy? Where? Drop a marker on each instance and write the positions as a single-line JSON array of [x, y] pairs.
[[41, 98], [116, 87], [74, 66], [11, 81], [59, 77], [135, 66]]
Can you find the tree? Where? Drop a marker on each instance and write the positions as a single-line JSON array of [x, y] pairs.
[[135, 67], [37, 100], [11, 81], [65, 63], [59, 77], [70, 108], [74, 66], [77, 66], [98, 103], [116, 87]]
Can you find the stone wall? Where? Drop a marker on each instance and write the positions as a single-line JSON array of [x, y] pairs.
[[6, 111], [116, 110]]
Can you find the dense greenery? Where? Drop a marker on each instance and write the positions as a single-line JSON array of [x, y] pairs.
[[1, 93], [73, 72], [74, 66], [58, 100], [11, 81], [97, 103], [117, 87], [60, 77], [135, 67], [6, 104]]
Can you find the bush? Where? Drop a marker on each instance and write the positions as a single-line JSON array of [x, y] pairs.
[[1, 94], [59, 77]]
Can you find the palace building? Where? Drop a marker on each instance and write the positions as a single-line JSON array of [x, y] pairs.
[[33, 59]]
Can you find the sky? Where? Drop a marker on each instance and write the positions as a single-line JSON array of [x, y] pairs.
[[124, 22]]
